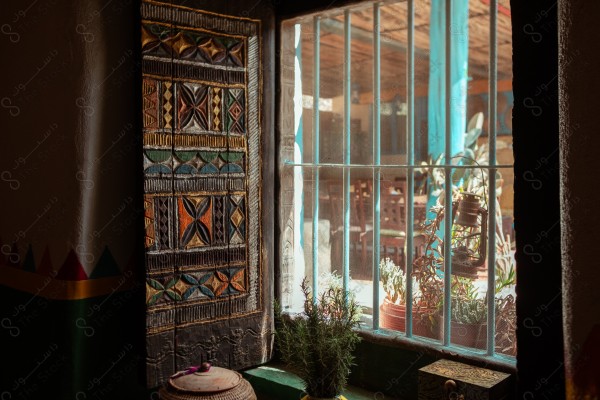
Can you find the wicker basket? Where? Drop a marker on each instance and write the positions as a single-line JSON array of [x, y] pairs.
[[215, 384]]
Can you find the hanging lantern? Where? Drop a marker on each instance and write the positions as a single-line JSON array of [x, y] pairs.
[[469, 238]]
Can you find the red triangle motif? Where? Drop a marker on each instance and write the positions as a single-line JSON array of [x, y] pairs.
[[45, 267], [72, 270]]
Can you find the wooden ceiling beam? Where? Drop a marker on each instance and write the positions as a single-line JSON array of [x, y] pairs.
[[336, 27], [474, 87]]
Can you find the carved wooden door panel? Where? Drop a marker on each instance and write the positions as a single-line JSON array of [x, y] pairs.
[[207, 290]]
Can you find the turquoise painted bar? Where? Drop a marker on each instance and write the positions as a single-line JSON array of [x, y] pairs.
[[493, 92], [347, 124], [448, 179], [410, 159], [376, 159], [316, 140]]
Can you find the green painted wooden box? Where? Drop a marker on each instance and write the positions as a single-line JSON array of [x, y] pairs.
[[445, 379]]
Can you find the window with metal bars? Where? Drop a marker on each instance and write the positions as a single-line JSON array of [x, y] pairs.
[[396, 167]]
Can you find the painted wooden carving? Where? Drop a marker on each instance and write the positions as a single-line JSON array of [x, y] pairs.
[[201, 94]]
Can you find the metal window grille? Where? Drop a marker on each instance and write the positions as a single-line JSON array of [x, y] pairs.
[[377, 167]]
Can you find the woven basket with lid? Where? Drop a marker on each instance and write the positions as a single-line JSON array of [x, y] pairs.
[[212, 383]]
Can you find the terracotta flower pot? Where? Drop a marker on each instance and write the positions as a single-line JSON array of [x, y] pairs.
[[393, 316], [469, 335]]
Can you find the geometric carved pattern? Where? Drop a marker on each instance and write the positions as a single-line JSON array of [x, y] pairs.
[[201, 96], [206, 109], [149, 222], [237, 219], [158, 104], [187, 163], [219, 220], [150, 41], [163, 215], [191, 286], [182, 45], [195, 221], [213, 50], [149, 103], [157, 161], [159, 40], [235, 111], [217, 107], [204, 162], [193, 106], [236, 53], [167, 107], [203, 220]]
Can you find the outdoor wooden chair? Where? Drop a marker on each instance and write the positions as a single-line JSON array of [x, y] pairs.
[[358, 225]]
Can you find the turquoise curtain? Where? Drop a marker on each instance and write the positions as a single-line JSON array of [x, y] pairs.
[[459, 31]]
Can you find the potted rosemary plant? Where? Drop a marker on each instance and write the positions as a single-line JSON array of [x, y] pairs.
[[318, 345]]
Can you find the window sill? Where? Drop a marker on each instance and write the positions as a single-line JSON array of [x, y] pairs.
[[433, 349]]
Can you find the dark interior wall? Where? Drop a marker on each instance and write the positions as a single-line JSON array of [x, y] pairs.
[[580, 196], [537, 209]]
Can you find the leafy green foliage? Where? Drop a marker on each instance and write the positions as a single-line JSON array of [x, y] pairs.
[[506, 324], [318, 344], [467, 306], [425, 267], [393, 279]]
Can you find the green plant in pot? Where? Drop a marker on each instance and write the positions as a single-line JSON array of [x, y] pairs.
[[427, 301], [393, 279], [393, 308], [469, 313], [469, 308], [318, 345], [506, 314]]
